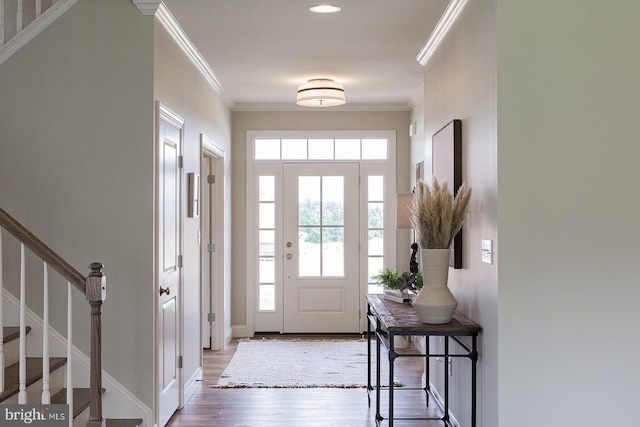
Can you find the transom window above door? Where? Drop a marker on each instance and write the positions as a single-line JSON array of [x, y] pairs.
[[321, 149]]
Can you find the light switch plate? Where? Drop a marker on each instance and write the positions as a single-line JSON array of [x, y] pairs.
[[487, 251]]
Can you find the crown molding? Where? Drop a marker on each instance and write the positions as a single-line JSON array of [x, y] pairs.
[[147, 7], [169, 22], [445, 23]]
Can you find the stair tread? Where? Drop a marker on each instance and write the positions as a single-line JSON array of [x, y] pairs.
[[34, 373], [124, 422], [80, 399], [10, 333]]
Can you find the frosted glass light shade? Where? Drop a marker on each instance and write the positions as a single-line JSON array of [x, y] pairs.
[[320, 93]]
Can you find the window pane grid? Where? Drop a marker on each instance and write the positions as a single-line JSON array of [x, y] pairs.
[[375, 229], [266, 241], [321, 149], [321, 226]]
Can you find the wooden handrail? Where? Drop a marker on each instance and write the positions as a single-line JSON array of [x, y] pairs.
[[43, 251]]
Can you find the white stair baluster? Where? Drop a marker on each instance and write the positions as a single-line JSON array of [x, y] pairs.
[[22, 379], [1, 313], [69, 353], [1, 22], [19, 20], [46, 396]]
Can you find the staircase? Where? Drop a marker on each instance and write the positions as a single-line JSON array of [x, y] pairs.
[[45, 379]]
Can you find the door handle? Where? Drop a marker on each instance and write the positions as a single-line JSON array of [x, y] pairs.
[[164, 290], [289, 256]]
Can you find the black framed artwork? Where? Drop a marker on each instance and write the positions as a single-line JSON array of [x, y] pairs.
[[447, 166]]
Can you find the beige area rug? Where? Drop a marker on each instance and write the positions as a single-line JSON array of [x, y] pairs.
[[301, 364]]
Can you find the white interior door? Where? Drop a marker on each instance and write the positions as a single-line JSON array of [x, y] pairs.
[[320, 237], [169, 250]]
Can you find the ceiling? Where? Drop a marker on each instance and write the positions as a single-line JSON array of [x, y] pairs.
[[261, 50]]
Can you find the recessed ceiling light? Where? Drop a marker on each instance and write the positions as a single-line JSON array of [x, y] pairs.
[[325, 8]]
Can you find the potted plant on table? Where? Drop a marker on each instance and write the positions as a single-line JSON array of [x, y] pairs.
[[437, 216], [398, 287]]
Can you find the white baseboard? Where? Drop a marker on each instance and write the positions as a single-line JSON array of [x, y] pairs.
[[440, 401], [241, 331], [117, 400], [228, 336], [191, 385]]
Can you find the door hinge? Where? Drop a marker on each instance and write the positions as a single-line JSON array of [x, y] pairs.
[[180, 162], [211, 247], [179, 362], [211, 179], [211, 317], [179, 261]]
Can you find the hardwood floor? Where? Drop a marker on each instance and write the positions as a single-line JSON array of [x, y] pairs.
[[310, 407]]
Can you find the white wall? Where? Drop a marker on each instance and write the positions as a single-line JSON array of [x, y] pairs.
[[568, 156], [303, 120], [460, 83], [183, 89], [76, 156]]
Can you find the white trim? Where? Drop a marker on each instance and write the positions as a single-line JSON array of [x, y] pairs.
[[176, 32], [117, 395], [147, 7], [170, 117], [447, 20], [385, 167], [217, 153], [228, 336], [191, 386], [440, 402], [34, 28], [241, 331]]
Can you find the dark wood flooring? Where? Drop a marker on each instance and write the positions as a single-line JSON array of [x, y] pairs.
[[312, 407]]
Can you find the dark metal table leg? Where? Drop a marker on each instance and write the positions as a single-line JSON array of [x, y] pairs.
[[445, 416]]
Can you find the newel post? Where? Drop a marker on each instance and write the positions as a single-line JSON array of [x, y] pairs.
[[96, 293]]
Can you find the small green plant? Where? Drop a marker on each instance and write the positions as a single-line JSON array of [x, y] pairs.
[[388, 278]]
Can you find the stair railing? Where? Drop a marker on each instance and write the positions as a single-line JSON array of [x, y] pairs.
[[11, 24], [93, 287]]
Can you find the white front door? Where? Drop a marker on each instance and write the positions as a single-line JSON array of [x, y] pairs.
[[169, 270], [321, 249]]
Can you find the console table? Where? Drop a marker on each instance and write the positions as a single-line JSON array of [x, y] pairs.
[[391, 319]]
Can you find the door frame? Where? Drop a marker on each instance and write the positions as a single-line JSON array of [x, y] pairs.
[[367, 167], [164, 113], [214, 297]]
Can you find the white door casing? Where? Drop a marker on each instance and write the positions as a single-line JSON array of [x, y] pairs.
[[169, 244], [212, 227], [265, 191]]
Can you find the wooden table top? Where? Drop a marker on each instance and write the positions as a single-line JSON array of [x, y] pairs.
[[398, 317]]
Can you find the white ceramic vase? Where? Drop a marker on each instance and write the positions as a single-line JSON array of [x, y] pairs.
[[435, 303]]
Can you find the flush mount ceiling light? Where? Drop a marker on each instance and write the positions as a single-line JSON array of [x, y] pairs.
[[325, 8], [320, 93]]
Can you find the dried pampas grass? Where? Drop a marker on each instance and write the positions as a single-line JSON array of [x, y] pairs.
[[436, 215]]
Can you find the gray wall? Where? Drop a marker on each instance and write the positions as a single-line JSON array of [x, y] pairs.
[[460, 84], [76, 157], [547, 96], [569, 212], [183, 89], [303, 120]]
